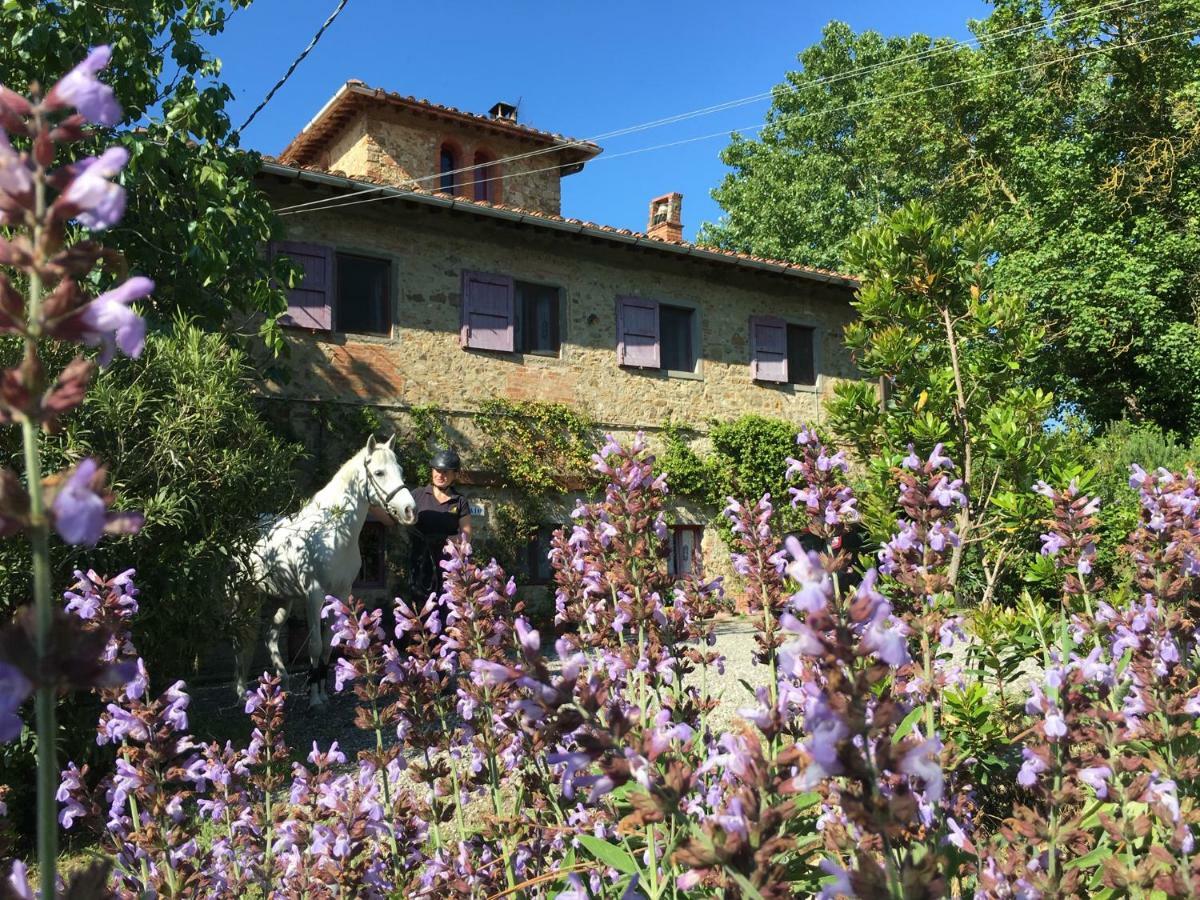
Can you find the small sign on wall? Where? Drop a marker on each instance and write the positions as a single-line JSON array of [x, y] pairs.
[[478, 509]]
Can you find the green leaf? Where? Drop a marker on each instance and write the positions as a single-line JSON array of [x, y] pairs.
[[1097, 856], [807, 800], [609, 854], [907, 723]]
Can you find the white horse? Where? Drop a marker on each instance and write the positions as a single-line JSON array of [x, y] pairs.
[[314, 554]]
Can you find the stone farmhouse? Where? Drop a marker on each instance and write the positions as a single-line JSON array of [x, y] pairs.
[[440, 271]]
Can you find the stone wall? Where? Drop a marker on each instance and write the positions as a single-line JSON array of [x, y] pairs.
[[395, 146], [421, 362]]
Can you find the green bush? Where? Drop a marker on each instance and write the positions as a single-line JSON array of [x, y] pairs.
[[184, 443]]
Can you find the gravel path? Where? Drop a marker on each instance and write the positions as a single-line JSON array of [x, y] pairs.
[[217, 716]]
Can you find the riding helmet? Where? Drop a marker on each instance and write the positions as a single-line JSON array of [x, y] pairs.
[[446, 460]]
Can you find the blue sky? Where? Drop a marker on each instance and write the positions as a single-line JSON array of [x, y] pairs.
[[578, 69]]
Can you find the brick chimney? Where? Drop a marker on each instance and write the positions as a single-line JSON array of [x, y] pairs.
[[666, 218], [505, 111]]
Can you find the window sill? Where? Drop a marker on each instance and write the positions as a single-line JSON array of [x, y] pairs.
[[371, 335], [518, 356], [664, 373], [790, 388]]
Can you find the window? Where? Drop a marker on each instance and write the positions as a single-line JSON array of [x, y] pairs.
[[337, 290], [801, 362], [685, 549], [499, 313], [537, 314], [781, 352], [651, 335], [362, 294], [372, 544], [538, 563], [484, 177], [447, 163], [675, 324]]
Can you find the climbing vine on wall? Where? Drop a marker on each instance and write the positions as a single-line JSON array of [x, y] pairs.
[[536, 451], [748, 458]]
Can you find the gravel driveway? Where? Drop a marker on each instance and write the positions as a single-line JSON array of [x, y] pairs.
[[216, 715]]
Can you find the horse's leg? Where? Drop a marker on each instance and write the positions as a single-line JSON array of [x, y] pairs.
[[274, 630], [316, 649]]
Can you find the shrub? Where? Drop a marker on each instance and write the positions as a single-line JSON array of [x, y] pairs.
[[185, 445]]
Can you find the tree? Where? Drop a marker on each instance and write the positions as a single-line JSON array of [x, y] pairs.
[[196, 222], [951, 353], [1077, 134]]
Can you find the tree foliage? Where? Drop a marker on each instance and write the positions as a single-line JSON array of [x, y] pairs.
[[951, 353], [196, 222], [1075, 129]]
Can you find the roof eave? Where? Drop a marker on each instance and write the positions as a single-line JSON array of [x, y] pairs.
[[581, 228]]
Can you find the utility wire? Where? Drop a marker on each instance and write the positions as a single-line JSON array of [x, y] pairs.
[[338, 202], [292, 68], [929, 53]]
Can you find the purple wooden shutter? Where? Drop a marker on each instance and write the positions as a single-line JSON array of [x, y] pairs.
[[487, 311], [768, 349], [637, 332], [310, 303]]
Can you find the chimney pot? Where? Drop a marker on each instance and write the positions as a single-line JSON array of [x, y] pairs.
[[666, 218], [505, 111]]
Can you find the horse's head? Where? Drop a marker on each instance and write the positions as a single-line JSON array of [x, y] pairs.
[[385, 482]]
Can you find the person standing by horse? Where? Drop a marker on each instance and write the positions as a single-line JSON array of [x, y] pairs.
[[442, 513]]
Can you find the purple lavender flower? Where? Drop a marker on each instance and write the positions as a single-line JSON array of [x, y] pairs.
[[939, 460], [70, 788], [1164, 792], [108, 322], [81, 89], [946, 492], [1052, 544], [92, 198], [136, 687], [530, 640], [1031, 768], [18, 882], [826, 731], [885, 637], [816, 587], [175, 713], [14, 688], [840, 886], [1097, 778], [957, 836], [79, 512], [924, 761]]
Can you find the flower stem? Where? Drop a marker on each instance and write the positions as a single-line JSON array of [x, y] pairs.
[[39, 535]]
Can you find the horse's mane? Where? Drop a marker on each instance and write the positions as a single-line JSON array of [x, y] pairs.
[[336, 486]]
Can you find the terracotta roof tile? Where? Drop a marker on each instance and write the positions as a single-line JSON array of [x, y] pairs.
[[549, 217]]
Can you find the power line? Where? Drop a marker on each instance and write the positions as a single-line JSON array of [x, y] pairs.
[[332, 203], [292, 68], [928, 53]]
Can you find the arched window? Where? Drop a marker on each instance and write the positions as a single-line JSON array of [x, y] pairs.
[[484, 176], [447, 163]]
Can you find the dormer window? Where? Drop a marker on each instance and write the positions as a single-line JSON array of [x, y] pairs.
[[447, 163], [484, 177]]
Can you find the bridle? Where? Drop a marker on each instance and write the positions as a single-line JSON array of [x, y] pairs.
[[373, 482]]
